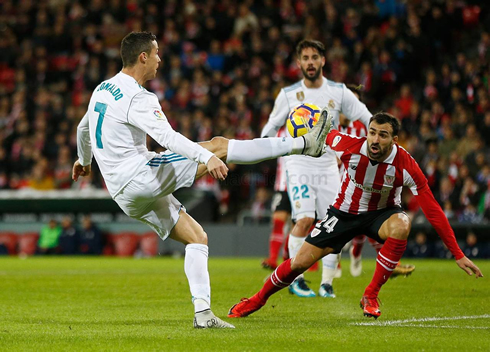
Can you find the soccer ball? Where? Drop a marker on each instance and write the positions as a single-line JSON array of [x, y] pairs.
[[302, 118]]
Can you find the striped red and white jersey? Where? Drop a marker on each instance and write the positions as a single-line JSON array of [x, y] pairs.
[[368, 185], [355, 128], [280, 184]]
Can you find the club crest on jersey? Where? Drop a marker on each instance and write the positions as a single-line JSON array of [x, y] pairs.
[[331, 104], [158, 114], [336, 141], [298, 205], [389, 179], [300, 96]]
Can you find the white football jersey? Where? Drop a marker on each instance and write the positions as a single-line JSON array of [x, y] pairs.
[[336, 96], [120, 115]]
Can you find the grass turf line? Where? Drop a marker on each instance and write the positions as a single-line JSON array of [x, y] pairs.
[[142, 305]]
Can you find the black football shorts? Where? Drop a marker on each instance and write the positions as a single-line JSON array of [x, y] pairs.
[[337, 227]]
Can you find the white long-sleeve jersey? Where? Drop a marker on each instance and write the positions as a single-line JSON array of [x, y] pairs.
[[120, 115], [336, 96]]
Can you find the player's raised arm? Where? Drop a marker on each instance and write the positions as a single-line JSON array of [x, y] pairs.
[[278, 116], [145, 113]]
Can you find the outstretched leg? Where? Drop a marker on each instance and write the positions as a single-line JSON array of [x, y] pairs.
[[250, 151], [260, 149]]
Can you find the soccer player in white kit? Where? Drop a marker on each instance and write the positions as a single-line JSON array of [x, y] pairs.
[[313, 183], [120, 115]]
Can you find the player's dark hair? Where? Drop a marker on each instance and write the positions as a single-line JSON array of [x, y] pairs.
[[310, 43], [357, 89], [134, 44], [383, 117]]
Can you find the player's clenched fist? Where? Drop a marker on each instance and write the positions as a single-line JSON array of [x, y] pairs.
[[217, 168], [79, 170]]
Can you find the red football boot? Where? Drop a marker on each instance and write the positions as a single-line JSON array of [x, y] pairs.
[[370, 307], [244, 308]]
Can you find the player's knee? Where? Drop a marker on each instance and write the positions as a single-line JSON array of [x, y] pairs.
[[199, 236], [303, 225], [281, 215], [400, 227]]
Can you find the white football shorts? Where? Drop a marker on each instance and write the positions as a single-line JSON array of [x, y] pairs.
[[148, 196], [311, 190]]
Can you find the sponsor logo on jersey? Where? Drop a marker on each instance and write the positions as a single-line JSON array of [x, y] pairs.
[[353, 167], [300, 96], [158, 114], [367, 188], [336, 141], [331, 104]]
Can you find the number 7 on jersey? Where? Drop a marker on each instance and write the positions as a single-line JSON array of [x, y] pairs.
[[100, 108]]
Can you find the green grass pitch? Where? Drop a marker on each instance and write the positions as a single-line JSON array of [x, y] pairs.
[[113, 304]]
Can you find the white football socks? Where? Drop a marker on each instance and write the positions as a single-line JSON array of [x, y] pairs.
[[196, 270], [260, 149], [329, 267], [294, 244]]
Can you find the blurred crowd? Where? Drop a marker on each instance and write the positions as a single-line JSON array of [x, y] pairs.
[[422, 247], [67, 238], [224, 62]]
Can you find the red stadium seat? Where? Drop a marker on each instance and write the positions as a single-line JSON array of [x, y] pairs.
[[149, 244], [125, 243], [109, 244], [9, 240], [28, 243]]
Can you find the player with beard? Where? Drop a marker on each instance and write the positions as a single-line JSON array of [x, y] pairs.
[[356, 128], [312, 184], [377, 169]]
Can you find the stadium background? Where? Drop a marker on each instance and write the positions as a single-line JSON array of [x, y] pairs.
[[223, 63]]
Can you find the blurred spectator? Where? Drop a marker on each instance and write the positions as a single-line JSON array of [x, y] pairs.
[[419, 247], [446, 194], [441, 251], [469, 215], [472, 249], [90, 237], [40, 179], [69, 237], [49, 238], [261, 206]]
